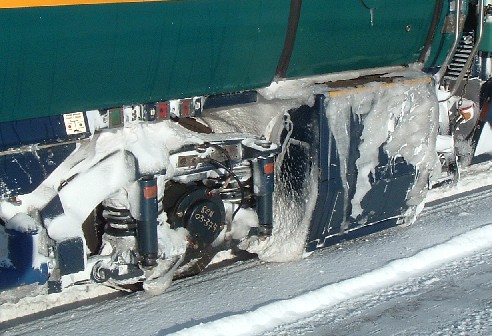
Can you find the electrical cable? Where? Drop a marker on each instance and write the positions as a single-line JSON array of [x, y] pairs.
[[241, 187], [223, 151]]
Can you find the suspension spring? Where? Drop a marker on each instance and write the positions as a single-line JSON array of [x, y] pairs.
[[119, 222]]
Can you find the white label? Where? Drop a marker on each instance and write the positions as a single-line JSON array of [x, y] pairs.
[[74, 123], [133, 114], [174, 107]]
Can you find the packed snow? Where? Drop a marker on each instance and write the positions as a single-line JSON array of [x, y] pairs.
[[290, 310]]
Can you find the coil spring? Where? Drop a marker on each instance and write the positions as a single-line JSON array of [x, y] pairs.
[[119, 222]]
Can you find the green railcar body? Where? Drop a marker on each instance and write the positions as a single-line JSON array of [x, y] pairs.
[[57, 59]]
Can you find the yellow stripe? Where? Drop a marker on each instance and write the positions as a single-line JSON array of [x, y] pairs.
[[51, 3]]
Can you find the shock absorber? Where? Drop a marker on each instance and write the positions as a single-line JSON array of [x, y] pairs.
[[262, 154], [263, 179], [147, 221]]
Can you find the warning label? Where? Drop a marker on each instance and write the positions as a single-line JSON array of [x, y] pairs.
[[74, 123]]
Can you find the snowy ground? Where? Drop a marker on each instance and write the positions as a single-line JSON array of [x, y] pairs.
[[432, 278]]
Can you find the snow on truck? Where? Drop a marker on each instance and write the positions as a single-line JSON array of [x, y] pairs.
[[138, 139]]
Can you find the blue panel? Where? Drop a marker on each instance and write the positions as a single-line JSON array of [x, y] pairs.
[[35, 131], [230, 99], [21, 255], [22, 173], [70, 255]]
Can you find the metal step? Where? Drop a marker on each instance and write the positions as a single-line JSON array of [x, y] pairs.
[[462, 53]]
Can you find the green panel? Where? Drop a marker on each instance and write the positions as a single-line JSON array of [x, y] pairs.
[[486, 44], [55, 60], [443, 40], [345, 35]]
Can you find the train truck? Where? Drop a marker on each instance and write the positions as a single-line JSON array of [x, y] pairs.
[[139, 139]]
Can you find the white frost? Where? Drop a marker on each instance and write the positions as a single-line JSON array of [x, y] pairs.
[[400, 116]]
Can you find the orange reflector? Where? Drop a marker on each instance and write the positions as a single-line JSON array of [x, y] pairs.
[[268, 169], [150, 192]]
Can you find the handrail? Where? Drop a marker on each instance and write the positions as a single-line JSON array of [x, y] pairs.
[[466, 67], [444, 66]]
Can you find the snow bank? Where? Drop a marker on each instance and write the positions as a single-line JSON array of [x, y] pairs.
[[286, 311]]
